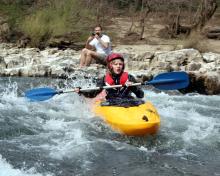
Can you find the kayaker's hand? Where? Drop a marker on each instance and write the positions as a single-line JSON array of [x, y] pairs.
[[77, 90]]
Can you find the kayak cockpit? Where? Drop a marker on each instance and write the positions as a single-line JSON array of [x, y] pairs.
[[122, 102]]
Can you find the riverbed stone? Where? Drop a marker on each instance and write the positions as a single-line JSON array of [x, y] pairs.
[[146, 62]]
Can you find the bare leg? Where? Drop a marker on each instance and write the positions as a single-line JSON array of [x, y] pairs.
[[89, 56], [86, 57], [83, 57]]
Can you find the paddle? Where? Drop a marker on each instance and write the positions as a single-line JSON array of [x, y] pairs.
[[163, 81]]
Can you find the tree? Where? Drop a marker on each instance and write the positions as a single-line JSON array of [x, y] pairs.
[[203, 13]]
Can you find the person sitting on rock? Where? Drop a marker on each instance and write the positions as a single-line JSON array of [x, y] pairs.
[[116, 75], [101, 44]]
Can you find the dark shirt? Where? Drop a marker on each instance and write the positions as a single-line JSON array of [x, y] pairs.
[[122, 92]]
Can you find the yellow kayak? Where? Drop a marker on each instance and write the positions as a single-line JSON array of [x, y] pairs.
[[135, 120]]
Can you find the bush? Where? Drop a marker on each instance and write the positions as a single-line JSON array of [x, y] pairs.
[[13, 13], [58, 18], [196, 41]]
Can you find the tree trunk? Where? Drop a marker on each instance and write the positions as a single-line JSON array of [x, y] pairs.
[[144, 13], [204, 12], [208, 8]]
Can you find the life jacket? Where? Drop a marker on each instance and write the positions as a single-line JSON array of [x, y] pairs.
[[110, 81]]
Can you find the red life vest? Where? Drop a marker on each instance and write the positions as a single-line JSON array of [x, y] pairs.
[[123, 79]]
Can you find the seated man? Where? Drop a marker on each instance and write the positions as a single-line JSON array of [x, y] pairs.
[[101, 44]]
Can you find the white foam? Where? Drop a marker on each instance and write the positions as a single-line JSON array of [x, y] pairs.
[[7, 169], [54, 124], [200, 128], [181, 117], [70, 145]]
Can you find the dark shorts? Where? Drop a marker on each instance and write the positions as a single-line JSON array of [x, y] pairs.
[[101, 59]]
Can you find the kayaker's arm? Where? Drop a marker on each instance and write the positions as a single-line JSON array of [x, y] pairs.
[[135, 89], [93, 93]]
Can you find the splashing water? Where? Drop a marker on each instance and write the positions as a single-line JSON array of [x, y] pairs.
[[61, 136]]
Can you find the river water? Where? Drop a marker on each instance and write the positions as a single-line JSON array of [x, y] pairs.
[[61, 136]]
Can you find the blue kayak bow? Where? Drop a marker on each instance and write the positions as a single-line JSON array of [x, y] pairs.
[[163, 81]]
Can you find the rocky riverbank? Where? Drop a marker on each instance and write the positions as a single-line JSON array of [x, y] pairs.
[[143, 61]]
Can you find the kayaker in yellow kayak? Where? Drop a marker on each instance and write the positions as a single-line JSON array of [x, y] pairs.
[[116, 75], [123, 112]]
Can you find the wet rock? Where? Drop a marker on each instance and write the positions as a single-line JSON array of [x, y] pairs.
[[203, 83], [203, 68]]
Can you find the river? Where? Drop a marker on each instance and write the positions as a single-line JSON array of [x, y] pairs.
[[61, 136]]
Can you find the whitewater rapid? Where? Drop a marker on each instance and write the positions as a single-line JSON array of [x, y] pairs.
[[61, 136]]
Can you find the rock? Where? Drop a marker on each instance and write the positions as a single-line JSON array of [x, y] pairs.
[[140, 49], [211, 57], [193, 66], [204, 69], [212, 83], [207, 83], [2, 63], [23, 42]]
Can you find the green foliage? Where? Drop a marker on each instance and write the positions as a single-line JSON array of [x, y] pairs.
[[14, 13], [36, 27], [44, 20], [60, 17]]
